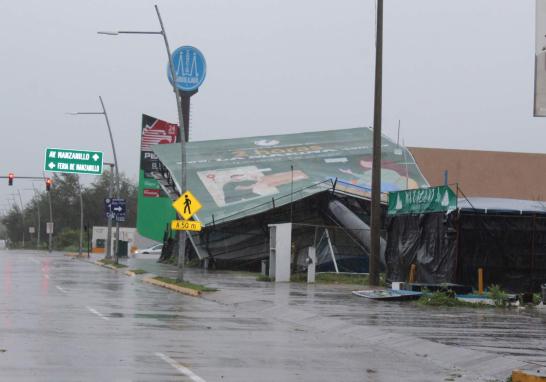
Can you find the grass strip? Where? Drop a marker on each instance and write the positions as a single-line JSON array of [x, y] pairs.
[[447, 299], [333, 278], [112, 263], [138, 271], [185, 284]]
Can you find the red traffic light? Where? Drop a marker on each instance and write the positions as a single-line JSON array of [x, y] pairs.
[[10, 178], [48, 184]]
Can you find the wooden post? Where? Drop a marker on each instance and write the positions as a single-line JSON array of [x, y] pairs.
[[480, 280], [411, 278]]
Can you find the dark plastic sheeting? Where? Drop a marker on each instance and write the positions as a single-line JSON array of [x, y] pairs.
[[510, 248], [427, 240]]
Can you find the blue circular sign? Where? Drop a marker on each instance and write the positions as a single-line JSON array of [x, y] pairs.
[[190, 68]]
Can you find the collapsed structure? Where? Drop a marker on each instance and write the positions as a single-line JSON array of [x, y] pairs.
[[320, 181]]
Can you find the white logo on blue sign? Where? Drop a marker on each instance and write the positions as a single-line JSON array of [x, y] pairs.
[[189, 66]]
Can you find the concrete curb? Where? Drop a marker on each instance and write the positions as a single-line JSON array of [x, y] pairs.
[[150, 280], [109, 267], [74, 254], [176, 288]]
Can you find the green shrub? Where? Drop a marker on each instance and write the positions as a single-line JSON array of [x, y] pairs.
[[499, 297], [67, 238], [445, 299]]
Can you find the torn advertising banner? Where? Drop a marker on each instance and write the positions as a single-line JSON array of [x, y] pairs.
[[236, 177], [432, 199]]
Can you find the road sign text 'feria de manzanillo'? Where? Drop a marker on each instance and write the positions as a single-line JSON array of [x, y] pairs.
[[421, 200], [73, 161]]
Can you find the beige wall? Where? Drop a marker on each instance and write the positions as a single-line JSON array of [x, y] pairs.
[[486, 173]]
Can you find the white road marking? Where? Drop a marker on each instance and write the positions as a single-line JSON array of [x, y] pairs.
[[184, 370], [61, 289], [97, 313], [33, 260]]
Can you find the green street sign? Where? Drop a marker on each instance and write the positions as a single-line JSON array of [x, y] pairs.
[[73, 161], [421, 200]]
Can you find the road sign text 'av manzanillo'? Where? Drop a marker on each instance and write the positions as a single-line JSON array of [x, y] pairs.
[[73, 161]]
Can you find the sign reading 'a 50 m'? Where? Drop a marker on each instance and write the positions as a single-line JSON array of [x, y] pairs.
[[73, 161]]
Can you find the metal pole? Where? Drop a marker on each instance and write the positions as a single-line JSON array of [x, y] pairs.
[[376, 166], [291, 192], [39, 218], [81, 217], [109, 231], [88, 242], [117, 174], [181, 132], [22, 216], [50, 239]]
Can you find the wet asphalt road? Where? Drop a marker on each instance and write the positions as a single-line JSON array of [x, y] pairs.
[[63, 319]]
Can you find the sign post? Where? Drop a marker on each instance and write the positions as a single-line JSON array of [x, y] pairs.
[[186, 72], [115, 208], [49, 228], [190, 70], [71, 162]]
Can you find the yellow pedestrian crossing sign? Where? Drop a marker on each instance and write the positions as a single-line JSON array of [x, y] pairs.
[[187, 205]]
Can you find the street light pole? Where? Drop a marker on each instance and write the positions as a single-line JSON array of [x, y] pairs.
[[181, 131], [37, 196], [50, 233], [182, 138], [22, 214], [116, 187], [109, 230], [376, 160], [81, 216], [116, 167]]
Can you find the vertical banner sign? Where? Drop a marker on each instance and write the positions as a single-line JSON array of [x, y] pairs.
[[154, 207], [540, 59]]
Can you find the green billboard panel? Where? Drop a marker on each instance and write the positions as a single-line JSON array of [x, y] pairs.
[[154, 211], [237, 177], [73, 161], [431, 199]]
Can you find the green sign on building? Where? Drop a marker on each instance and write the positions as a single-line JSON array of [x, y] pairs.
[[421, 200], [73, 161]]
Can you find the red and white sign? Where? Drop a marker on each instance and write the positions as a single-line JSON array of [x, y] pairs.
[[159, 132], [151, 193]]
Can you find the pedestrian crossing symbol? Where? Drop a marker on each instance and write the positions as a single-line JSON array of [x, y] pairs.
[[187, 205]]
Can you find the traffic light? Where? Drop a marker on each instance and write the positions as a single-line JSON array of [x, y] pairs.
[[48, 184], [10, 178]]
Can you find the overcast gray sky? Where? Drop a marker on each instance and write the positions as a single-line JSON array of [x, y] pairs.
[[458, 74]]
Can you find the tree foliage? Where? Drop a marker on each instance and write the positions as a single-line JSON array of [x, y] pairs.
[[65, 203]]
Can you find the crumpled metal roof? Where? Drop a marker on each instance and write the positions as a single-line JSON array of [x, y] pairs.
[[244, 176]]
